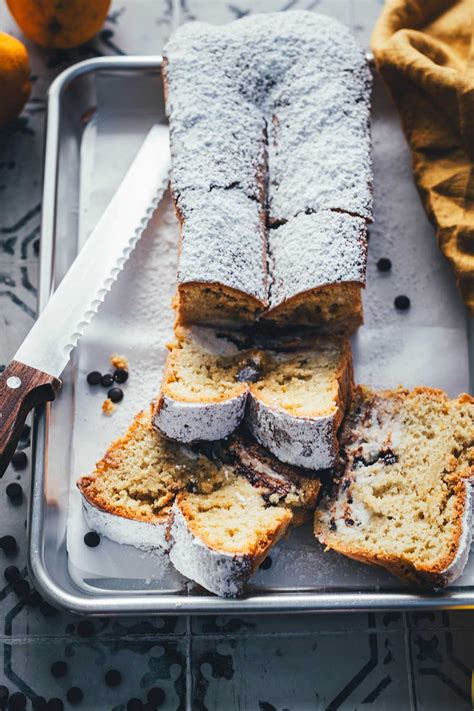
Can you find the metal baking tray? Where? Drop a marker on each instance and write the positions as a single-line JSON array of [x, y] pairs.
[[124, 96]]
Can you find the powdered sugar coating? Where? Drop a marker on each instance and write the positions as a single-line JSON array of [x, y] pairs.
[[301, 441], [315, 250], [226, 83], [223, 241], [194, 421], [320, 147], [222, 573], [127, 531]]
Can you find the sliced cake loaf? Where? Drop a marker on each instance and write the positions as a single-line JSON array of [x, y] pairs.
[[269, 124], [217, 508], [295, 399], [403, 497]]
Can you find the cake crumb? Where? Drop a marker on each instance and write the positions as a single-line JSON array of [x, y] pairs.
[[108, 407], [119, 361]]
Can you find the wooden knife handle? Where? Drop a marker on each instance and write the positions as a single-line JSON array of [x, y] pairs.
[[21, 389]]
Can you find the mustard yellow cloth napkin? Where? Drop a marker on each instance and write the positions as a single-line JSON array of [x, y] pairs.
[[424, 50]]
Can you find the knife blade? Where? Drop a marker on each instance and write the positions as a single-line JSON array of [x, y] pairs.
[[32, 377]]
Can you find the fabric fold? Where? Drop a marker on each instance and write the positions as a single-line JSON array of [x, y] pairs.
[[424, 50]]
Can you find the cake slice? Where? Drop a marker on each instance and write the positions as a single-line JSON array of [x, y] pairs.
[[294, 399], [220, 539], [202, 396], [217, 509], [128, 496], [297, 405], [403, 497]]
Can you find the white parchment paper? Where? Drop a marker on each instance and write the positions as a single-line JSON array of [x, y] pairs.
[[426, 345]]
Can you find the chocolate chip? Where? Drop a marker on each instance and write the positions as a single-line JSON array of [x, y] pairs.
[[115, 394], [17, 701], [25, 433], [121, 375], [92, 539], [249, 374], [14, 492], [59, 669], [384, 264], [134, 705], [156, 696], [19, 461], [85, 628], [348, 521], [266, 564], [113, 677], [389, 457], [332, 525], [8, 544], [94, 377], [402, 303], [106, 380], [74, 695], [55, 705], [11, 574]]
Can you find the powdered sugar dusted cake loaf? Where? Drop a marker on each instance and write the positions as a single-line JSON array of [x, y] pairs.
[[292, 401], [217, 509], [403, 498], [272, 109]]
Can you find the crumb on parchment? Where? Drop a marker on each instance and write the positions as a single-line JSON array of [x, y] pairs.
[[119, 361], [108, 407]]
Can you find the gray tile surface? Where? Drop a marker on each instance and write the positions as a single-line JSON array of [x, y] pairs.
[[386, 661]]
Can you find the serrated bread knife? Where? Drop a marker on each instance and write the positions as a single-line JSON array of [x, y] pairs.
[[32, 378]]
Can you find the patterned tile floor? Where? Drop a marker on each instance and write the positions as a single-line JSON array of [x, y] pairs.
[[352, 661]]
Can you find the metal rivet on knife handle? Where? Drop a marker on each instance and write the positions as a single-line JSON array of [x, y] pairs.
[[21, 389]]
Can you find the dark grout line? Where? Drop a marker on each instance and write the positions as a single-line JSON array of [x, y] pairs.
[[409, 664]]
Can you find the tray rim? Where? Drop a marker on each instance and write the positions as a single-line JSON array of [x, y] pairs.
[[155, 603]]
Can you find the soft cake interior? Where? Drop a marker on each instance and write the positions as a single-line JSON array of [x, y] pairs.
[[402, 494], [234, 518], [302, 383], [142, 472], [194, 374]]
